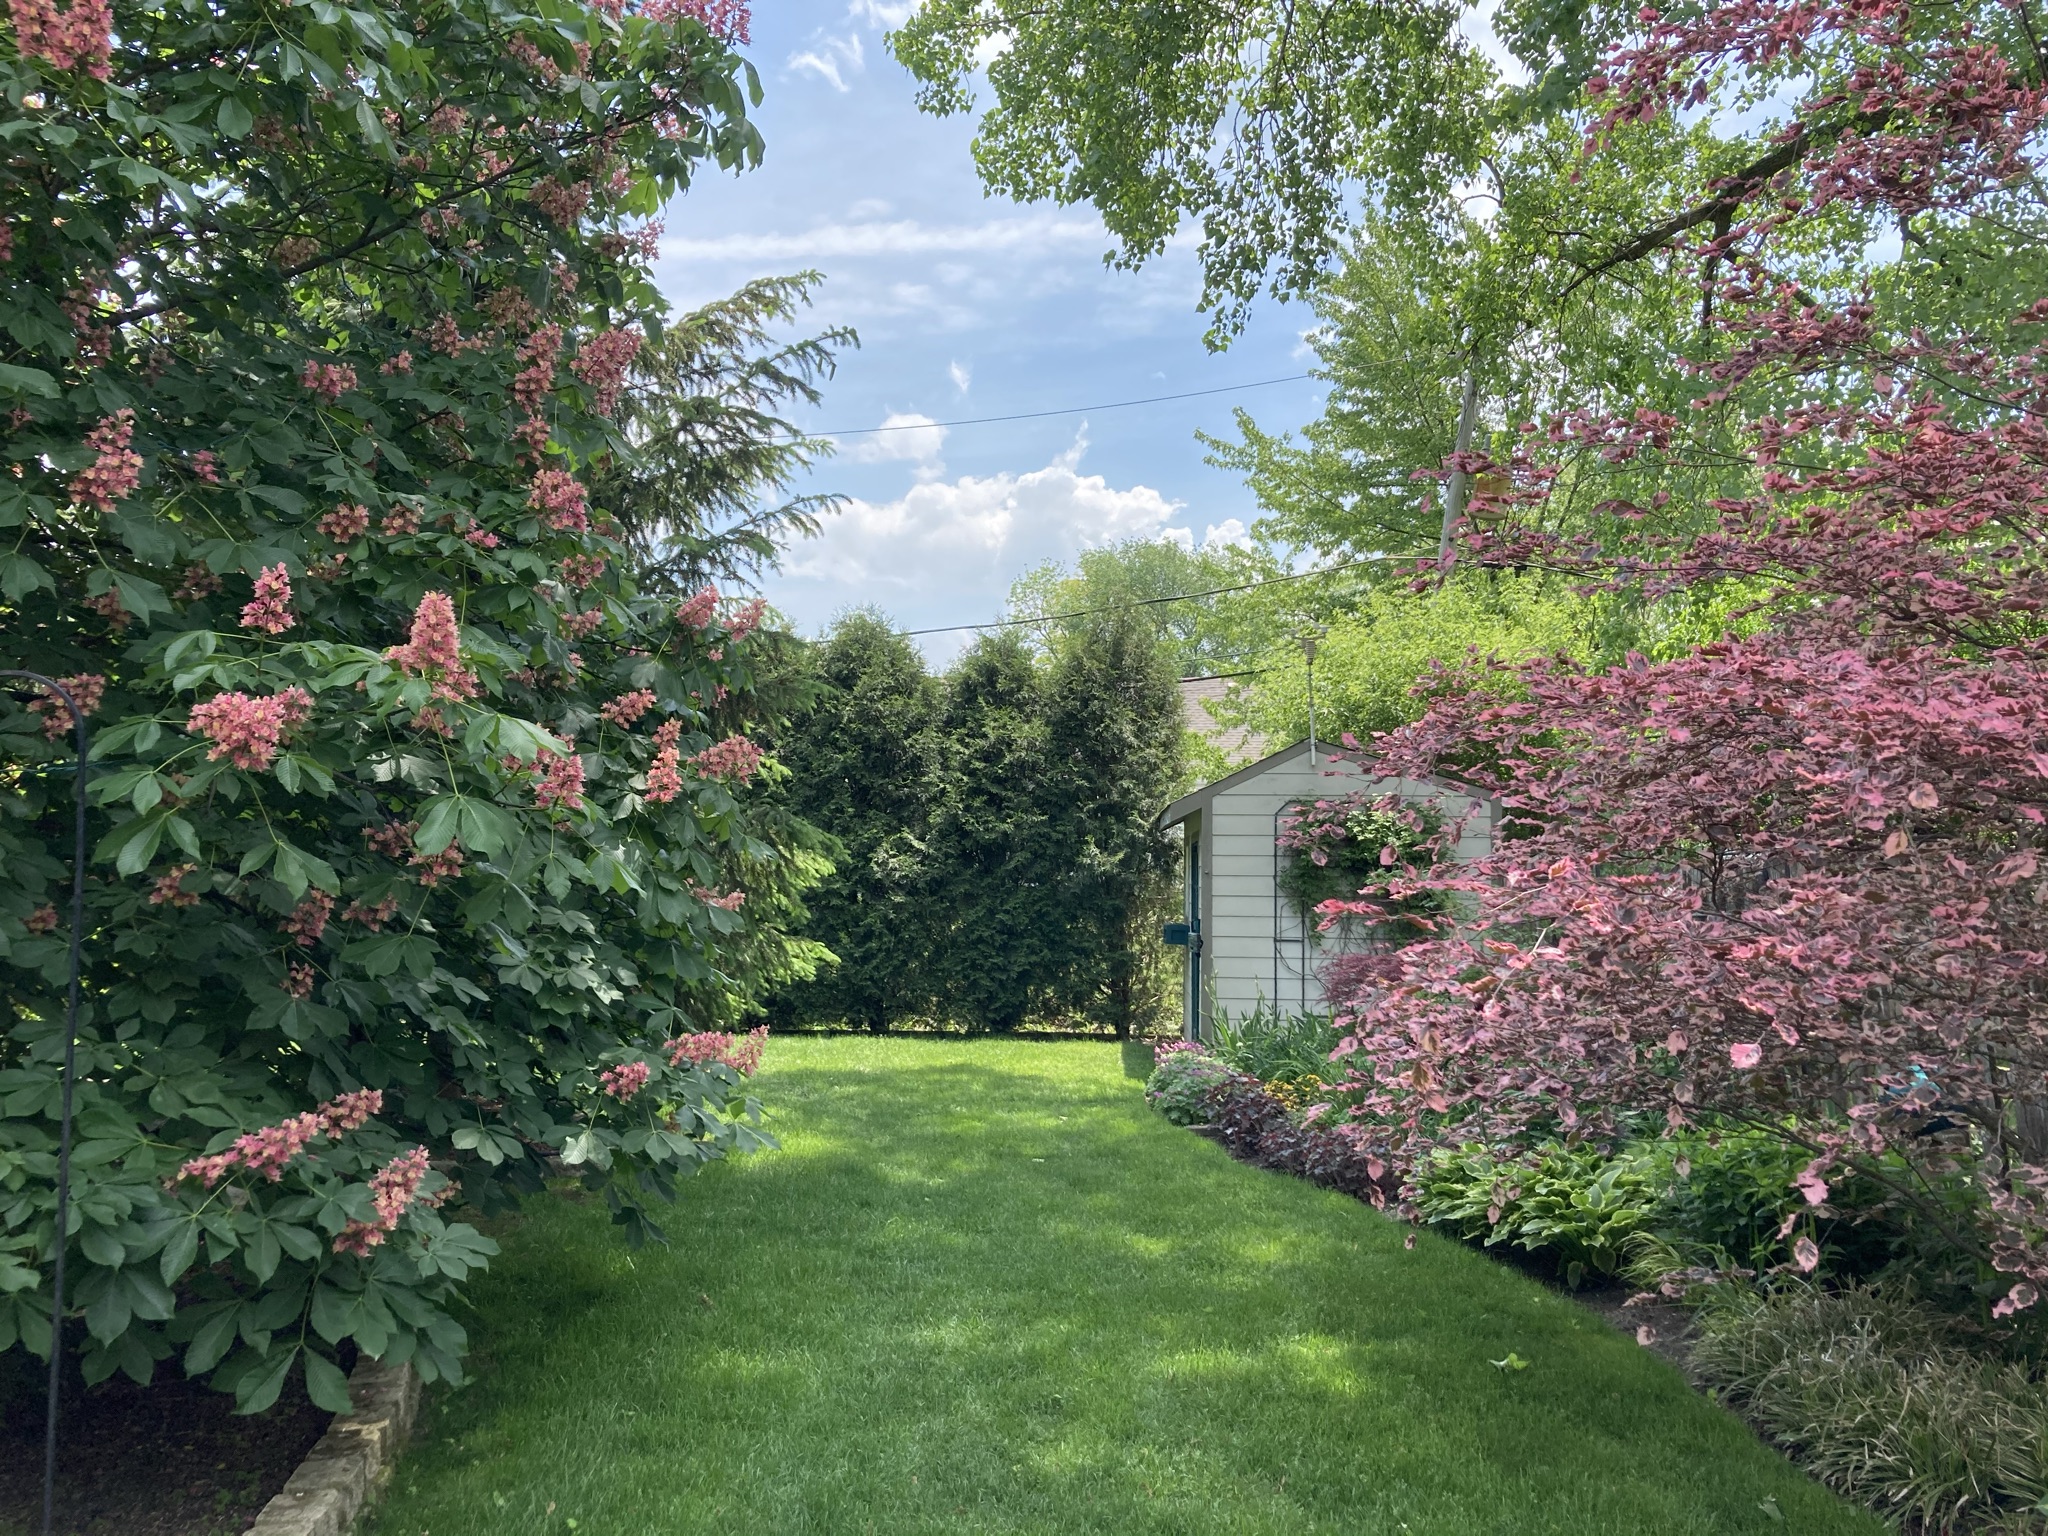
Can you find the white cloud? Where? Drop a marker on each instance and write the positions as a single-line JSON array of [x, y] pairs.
[[1030, 235], [879, 13], [869, 208], [837, 58], [1231, 531], [1476, 22], [964, 535], [961, 375], [908, 437]]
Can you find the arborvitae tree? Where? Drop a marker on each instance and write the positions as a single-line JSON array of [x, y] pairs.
[[1114, 745], [996, 861], [863, 760]]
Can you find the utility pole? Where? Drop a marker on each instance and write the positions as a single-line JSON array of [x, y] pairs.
[[1456, 487]]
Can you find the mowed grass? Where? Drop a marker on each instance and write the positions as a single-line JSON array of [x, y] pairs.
[[982, 1289]]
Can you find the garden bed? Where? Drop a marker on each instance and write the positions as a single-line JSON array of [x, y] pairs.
[[171, 1459]]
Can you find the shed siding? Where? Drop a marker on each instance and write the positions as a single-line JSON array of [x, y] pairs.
[[1242, 965]]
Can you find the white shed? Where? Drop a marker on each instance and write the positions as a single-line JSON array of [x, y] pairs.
[[1247, 942]]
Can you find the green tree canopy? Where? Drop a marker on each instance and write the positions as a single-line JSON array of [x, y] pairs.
[[865, 759], [419, 828]]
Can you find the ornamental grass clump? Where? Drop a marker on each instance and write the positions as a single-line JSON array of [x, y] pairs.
[[1270, 1045], [1873, 1394]]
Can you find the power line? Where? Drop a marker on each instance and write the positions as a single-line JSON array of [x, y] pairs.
[[1068, 410], [1148, 602]]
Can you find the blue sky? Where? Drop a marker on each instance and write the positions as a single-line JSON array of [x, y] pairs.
[[966, 306]]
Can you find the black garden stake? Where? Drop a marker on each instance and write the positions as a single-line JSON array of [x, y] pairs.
[[64, 1114]]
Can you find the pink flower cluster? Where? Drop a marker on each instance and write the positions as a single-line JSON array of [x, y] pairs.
[[206, 467], [602, 362], [330, 381], [481, 537], [374, 916], [665, 774], [248, 730], [346, 523], [628, 707], [731, 901], [700, 610], [298, 978], [580, 571], [42, 920], [118, 468], [562, 203], [577, 625], [394, 1190], [85, 687], [308, 920], [391, 839], [746, 620], [731, 20], [400, 521], [733, 758], [82, 35], [270, 610], [561, 499], [434, 649], [740, 1052], [270, 1150], [444, 335], [168, 889], [198, 582], [560, 781], [435, 867], [623, 1081], [532, 386]]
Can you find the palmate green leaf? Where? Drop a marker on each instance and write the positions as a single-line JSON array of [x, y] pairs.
[[133, 844], [260, 1385], [179, 1251], [234, 118], [209, 1346], [325, 1384], [220, 1020], [19, 576], [26, 381]]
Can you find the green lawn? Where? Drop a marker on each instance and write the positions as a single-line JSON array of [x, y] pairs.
[[983, 1289]]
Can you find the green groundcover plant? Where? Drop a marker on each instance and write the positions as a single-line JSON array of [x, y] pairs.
[[1183, 1074], [419, 833]]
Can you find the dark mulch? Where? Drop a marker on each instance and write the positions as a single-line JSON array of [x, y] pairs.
[[170, 1459], [1658, 1325]]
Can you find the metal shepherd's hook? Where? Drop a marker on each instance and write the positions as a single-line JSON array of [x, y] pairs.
[[64, 1117]]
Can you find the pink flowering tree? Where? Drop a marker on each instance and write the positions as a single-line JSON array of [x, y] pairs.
[[419, 831], [1793, 879]]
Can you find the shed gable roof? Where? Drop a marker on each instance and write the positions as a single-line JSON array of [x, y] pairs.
[[1198, 799]]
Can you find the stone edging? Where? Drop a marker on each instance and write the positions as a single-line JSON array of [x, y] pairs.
[[343, 1472]]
